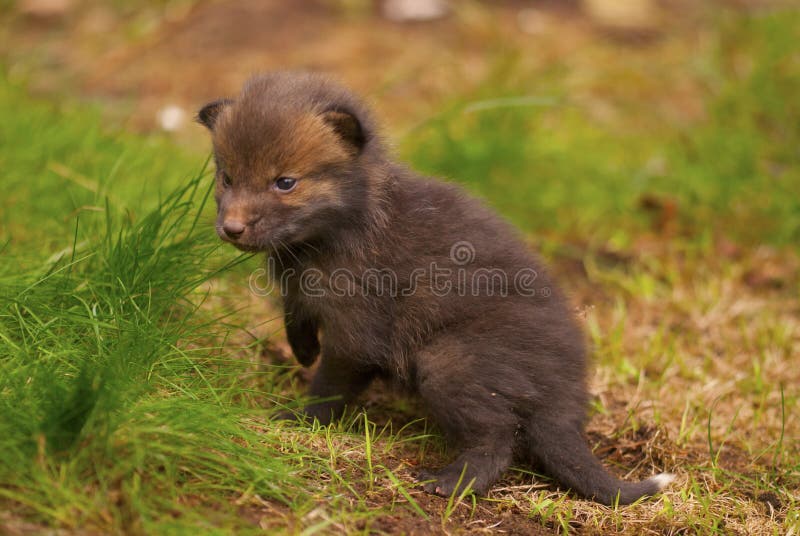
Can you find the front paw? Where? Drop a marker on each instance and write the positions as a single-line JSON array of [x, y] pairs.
[[290, 415], [321, 413], [305, 350], [445, 483]]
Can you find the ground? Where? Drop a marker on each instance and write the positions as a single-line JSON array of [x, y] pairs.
[[652, 161]]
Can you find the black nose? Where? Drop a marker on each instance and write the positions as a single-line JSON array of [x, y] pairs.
[[233, 228]]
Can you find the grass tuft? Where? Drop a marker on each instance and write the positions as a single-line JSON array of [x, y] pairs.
[[117, 411]]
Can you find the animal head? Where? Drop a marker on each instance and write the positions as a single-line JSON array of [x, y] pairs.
[[291, 153]]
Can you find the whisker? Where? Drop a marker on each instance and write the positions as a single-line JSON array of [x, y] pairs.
[[277, 252], [310, 245], [289, 250]]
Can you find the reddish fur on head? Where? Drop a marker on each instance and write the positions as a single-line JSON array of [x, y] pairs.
[[296, 126]]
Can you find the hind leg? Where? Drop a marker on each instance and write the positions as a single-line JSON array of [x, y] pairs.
[[477, 467], [472, 414]]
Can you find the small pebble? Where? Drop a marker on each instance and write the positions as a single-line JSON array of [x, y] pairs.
[[414, 10], [171, 117]]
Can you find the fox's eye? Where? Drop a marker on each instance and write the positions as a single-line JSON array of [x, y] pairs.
[[285, 184], [226, 180]]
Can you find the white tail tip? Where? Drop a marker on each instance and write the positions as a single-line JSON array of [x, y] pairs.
[[663, 480]]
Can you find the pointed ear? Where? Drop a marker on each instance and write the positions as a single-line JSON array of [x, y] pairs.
[[208, 114], [347, 126]]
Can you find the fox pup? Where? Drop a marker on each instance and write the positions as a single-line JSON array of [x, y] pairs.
[[388, 274]]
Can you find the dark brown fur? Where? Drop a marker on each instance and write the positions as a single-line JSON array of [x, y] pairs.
[[502, 371]]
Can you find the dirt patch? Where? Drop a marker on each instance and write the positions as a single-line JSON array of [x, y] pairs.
[[217, 45], [140, 61]]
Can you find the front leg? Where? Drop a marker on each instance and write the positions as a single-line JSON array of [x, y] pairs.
[[336, 383], [302, 333]]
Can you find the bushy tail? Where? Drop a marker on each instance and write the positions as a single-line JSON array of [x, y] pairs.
[[561, 450]]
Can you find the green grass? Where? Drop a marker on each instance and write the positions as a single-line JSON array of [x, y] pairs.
[[126, 403], [61, 164], [118, 406], [138, 375], [541, 159]]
